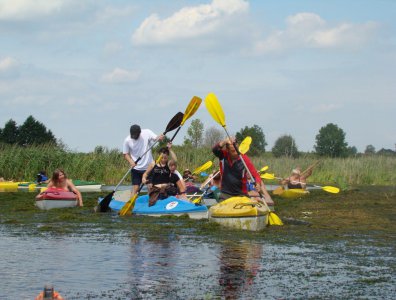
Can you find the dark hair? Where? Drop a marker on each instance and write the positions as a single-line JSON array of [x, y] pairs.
[[164, 150], [135, 131]]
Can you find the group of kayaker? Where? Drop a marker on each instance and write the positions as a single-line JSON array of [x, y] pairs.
[[162, 182]]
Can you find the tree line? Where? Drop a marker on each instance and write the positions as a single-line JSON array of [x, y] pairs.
[[330, 140], [31, 132]]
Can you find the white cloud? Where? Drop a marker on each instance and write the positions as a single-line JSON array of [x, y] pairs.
[[119, 75], [7, 64], [12, 10], [308, 30], [189, 22]]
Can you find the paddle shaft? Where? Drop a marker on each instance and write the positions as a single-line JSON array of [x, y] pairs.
[[310, 167], [204, 184], [128, 205]]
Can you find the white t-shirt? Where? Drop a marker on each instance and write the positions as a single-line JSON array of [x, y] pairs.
[[136, 148]]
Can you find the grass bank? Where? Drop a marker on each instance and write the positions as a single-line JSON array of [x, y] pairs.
[[108, 166], [364, 211]]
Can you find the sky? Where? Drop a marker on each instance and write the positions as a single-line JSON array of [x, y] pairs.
[[90, 69]]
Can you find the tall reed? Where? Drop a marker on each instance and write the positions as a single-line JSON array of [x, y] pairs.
[[109, 166]]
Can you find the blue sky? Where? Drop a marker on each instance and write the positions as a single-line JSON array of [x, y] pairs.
[[90, 69]]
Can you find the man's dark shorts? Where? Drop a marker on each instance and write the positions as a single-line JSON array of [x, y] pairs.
[[136, 177]]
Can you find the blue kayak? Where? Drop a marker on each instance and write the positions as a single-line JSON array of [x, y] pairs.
[[170, 206]]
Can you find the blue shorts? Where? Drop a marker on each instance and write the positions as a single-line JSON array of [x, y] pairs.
[[136, 177]]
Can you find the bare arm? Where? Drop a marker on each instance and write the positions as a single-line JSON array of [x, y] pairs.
[[145, 174], [182, 188], [129, 160], [171, 152], [264, 191], [73, 188]]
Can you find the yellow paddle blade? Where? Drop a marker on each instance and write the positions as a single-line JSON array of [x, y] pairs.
[[214, 108], [128, 207], [192, 107], [204, 167], [279, 190], [331, 189], [263, 169], [32, 187], [245, 145], [198, 200], [268, 176], [274, 219]]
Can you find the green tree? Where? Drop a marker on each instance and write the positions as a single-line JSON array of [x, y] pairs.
[[10, 132], [330, 141], [34, 132], [352, 151], [195, 134], [370, 150], [258, 139], [213, 135], [285, 146], [386, 152]]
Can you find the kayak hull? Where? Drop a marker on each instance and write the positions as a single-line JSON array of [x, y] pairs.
[[52, 198], [87, 186], [240, 213], [82, 186], [8, 185], [293, 193], [170, 206]]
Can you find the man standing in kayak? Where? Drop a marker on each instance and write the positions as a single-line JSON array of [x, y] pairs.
[[234, 176], [134, 147]]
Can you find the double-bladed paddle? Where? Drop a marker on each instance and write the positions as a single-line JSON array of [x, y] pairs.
[[214, 108], [172, 125], [327, 188], [191, 108]]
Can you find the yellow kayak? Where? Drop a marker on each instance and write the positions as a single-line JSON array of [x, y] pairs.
[[240, 213], [8, 185], [293, 193]]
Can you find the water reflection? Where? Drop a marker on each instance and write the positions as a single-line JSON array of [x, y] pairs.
[[239, 265], [153, 265]]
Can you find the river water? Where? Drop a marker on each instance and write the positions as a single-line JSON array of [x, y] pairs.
[[87, 255], [92, 266]]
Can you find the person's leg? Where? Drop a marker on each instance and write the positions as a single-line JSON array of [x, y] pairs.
[[136, 180]]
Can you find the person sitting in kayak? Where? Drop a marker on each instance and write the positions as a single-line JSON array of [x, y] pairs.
[[42, 177], [297, 180], [214, 183], [161, 179], [174, 179], [233, 173], [59, 180], [189, 181]]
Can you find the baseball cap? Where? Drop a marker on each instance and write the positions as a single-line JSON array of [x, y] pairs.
[[135, 131]]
